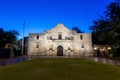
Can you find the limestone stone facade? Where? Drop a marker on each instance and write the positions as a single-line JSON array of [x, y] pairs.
[[60, 41]]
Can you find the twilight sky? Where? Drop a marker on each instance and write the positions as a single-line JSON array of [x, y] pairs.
[[40, 15]]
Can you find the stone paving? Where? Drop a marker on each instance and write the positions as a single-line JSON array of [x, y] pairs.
[[14, 60], [104, 60], [9, 61]]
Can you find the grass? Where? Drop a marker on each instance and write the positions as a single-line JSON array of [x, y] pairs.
[[59, 69]]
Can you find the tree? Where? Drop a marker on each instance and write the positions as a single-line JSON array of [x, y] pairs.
[[7, 37], [75, 28], [106, 30], [2, 32], [100, 31], [113, 14]]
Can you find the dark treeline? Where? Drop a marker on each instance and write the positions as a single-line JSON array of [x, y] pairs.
[[7, 37], [106, 30], [77, 29]]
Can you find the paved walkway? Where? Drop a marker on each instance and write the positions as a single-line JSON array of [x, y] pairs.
[[105, 61], [8, 61], [14, 60]]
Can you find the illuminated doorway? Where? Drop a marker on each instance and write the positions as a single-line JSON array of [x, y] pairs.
[[59, 50]]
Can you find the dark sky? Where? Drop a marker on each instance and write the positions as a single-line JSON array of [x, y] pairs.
[[40, 15]]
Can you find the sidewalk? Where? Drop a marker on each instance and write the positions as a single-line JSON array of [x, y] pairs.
[[105, 61], [14, 60]]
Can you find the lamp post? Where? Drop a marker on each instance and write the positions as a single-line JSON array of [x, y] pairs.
[[95, 48], [109, 48], [21, 44], [108, 51], [82, 52], [23, 38]]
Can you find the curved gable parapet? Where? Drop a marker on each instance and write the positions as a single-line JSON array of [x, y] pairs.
[[60, 28]]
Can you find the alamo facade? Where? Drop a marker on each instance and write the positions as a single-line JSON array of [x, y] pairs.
[[60, 41]]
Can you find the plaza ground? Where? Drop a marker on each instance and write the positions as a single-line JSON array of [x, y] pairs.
[[59, 69]]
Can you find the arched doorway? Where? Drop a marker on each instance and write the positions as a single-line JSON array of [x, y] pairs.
[[59, 50]]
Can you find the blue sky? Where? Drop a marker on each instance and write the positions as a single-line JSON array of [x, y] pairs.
[[40, 15]]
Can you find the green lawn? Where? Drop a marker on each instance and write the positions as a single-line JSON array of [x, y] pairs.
[[59, 69]]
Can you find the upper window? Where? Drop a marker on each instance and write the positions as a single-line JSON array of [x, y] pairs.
[[82, 46], [37, 46], [50, 37], [71, 38], [59, 36], [81, 37], [37, 36], [50, 48], [69, 48]]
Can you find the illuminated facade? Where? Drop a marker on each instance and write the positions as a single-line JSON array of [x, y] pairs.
[[60, 41]]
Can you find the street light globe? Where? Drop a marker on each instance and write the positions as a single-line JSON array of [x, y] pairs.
[[103, 49], [95, 48], [109, 48]]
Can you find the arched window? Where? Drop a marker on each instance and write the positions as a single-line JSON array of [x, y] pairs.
[[59, 36], [50, 37], [81, 37], [82, 46], [37, 36], [37, 46]]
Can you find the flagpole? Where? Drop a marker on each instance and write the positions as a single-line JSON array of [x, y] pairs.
[[23, 38]]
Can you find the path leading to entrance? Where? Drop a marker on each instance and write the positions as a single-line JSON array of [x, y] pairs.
[[105, 61], [23, 58], [14, 60]]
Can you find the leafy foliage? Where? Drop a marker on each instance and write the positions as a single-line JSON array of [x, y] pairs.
[[75, 28], [106, 30], [100, 30], [7, 37]]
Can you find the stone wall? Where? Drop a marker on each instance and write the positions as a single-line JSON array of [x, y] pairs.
[[78, 44]]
